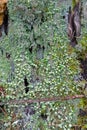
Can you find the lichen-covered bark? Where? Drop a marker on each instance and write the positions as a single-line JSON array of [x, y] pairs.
[[82, 114]]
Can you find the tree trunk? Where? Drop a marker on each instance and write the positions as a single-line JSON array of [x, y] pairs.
[[74, 22]]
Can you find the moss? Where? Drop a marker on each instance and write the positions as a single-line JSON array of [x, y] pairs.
[[73, 3]]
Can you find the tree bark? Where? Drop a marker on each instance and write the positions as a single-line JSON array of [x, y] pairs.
[[74, 22]]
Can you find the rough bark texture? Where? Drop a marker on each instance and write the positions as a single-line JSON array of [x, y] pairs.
[[74, 24]]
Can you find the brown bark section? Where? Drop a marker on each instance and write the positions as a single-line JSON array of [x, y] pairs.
[[3, 17], [74, 24]]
